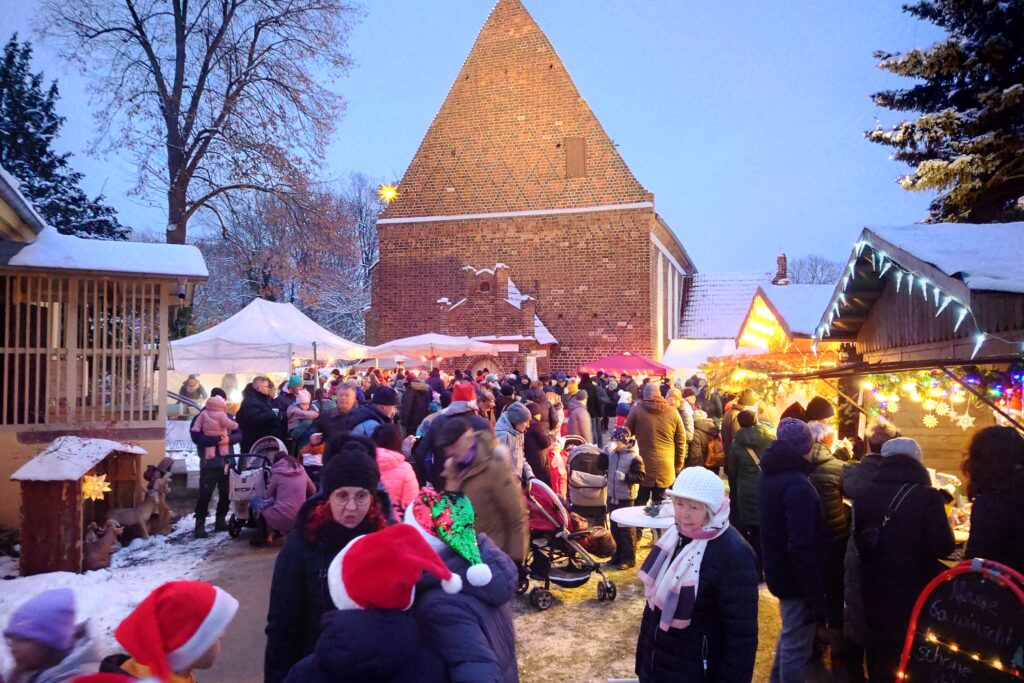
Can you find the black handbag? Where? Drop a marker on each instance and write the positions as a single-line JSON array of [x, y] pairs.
[[867, 541]]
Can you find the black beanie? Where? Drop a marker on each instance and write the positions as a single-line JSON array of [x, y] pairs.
[[351, 466], [819, 409]]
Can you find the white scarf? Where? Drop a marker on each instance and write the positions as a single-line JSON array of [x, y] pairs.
[[671, 584]]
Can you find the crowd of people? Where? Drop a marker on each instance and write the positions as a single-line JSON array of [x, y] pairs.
[[400, 501]]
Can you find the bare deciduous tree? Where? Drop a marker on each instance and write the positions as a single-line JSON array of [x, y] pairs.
[[815, 270], [211, 97]]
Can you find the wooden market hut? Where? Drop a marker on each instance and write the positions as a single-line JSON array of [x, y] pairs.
[[83, 337], [944, 302], [53, 502]]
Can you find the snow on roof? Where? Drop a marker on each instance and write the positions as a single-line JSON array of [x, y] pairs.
[[985, 256], [510, 337], [717, 303], [33, 218], [68, 458], [66, 252], [800, 306], [540, 330]]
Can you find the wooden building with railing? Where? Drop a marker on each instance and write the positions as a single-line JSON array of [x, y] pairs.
[[83, 337]]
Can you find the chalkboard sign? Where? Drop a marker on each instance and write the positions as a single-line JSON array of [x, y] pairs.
[[968, 625]]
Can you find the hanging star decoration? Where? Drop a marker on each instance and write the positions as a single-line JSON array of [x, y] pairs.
[[942, 409], [387, 193], [893, 407], [930, 421], [965, 421], [94, 487]]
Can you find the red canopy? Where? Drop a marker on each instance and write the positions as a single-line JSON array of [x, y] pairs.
[[630, 363]]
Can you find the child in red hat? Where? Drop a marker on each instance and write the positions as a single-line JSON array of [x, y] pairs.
[[176, 630], [372, 636]]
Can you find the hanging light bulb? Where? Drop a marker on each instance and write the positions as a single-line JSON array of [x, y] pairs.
[[978, 341], [910, 283], [942, 306], [860, 246], [899, 279], [885, 269], [938, 296], [960, 318], [924, 288]]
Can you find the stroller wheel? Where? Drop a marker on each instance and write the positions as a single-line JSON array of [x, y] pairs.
[[524, 585], [235, 527], [541, 598], [610, 591], [602, 594]]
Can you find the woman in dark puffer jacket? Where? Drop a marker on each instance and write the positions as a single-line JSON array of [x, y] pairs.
[[994, 468], [700, 579]]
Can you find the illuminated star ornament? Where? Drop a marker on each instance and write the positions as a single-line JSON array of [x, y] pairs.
[[965, 421], [930, 421], [387, 193], [942, 409], [94, 487]]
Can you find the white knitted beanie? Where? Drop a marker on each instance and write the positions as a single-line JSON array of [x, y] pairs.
[[700, 484]]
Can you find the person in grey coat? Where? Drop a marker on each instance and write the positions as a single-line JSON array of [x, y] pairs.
[[510, 430], [578, 423]]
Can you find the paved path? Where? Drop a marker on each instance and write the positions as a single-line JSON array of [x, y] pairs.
[[245, 572]]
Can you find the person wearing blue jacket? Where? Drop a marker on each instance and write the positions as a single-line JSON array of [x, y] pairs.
[[471, 630], [793, 546]]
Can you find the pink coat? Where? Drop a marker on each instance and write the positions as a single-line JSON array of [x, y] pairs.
[[398, 477], [214, 423], [288, 490]]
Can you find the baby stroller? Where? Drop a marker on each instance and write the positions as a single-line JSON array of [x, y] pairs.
[[556, 554], [588, 485], [249, 475]]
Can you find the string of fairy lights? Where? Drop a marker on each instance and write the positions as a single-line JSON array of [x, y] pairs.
[[905, 281]]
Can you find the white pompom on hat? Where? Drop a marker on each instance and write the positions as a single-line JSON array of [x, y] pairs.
[[700, 484]]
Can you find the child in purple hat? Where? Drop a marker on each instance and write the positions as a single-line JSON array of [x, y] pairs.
[[46, 644]]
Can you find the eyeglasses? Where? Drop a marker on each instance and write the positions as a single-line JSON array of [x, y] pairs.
[[343, 499]]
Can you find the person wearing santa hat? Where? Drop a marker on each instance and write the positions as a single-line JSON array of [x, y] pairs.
[[472, 629], [351, 504], [176, 630], [372, 635]]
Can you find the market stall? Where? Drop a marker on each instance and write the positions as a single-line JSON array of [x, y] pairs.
[[431, 348]]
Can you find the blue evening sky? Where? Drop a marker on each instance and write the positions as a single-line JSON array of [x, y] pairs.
[[745, 118]]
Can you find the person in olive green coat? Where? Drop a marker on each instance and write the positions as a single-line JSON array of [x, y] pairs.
[[745, 470]]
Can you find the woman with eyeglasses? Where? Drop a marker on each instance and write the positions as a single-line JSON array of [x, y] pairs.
[[350, 504]]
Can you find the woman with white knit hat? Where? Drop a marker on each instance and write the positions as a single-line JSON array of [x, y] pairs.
[[700, 580]]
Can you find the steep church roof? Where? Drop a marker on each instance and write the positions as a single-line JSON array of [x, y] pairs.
[[510, 131]]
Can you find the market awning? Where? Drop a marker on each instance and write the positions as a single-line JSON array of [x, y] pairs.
[[862, 368], [432, 346], [631, 363]]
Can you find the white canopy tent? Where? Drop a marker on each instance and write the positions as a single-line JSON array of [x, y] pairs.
[[432, 346], [262, 337]]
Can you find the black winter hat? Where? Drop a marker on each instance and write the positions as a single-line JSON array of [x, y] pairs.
[[795, 410], [819, 409], [351, 466], [385, 396]]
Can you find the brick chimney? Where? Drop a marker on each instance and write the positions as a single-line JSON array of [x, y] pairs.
[[501, 280], [782, 271], [528, 306], [469, 280]]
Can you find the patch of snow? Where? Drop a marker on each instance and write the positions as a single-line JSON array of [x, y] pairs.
[[107, 596], [15, 185], [542, 333], [444, 300], [54, 250], [68, 458], [800, 306], [9, 567], [501, 266]]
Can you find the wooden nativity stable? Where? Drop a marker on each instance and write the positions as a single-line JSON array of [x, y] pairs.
[[83, 338], [934, 315], [72, 482]]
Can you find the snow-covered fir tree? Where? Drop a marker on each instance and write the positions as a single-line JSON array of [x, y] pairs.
[[968, 142], [28, 126]]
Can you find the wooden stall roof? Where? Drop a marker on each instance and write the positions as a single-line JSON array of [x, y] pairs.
[[966, 276], [68, 458], [796, 308]]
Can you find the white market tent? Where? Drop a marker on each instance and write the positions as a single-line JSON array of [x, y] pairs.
[[262, 337], [432, 346]]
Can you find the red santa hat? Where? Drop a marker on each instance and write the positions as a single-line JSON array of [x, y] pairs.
[[380, 570], [463, 391], [175, 625]]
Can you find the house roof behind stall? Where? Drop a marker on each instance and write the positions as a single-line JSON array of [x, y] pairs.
[[717, 303]]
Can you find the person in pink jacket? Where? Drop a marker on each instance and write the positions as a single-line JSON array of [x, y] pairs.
[[395, 472], [289, 488], [213, 420]]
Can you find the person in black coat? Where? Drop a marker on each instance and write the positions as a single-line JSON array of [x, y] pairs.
[[792, 545], [994, 469], [710, 636], [372, 635], [256, 418], [536, 443], [213, 474], [594, 406], [415, 403], [905, 556], [352, 504]]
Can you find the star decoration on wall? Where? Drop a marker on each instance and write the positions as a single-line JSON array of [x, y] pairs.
[[930, 421], [942, 409], [965, 421], [893, 407], [94, 487]]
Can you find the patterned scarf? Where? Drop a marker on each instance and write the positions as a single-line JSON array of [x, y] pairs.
[[671, 584]]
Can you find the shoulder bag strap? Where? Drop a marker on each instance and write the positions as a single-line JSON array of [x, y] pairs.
[[753, 454], [897, 501]]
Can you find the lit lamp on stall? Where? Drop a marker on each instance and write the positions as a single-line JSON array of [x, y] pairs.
[[387, 193]]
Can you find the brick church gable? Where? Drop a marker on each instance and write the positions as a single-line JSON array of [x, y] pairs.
[[513, 134]]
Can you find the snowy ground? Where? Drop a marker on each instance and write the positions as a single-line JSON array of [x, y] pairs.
[[106, 596]]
